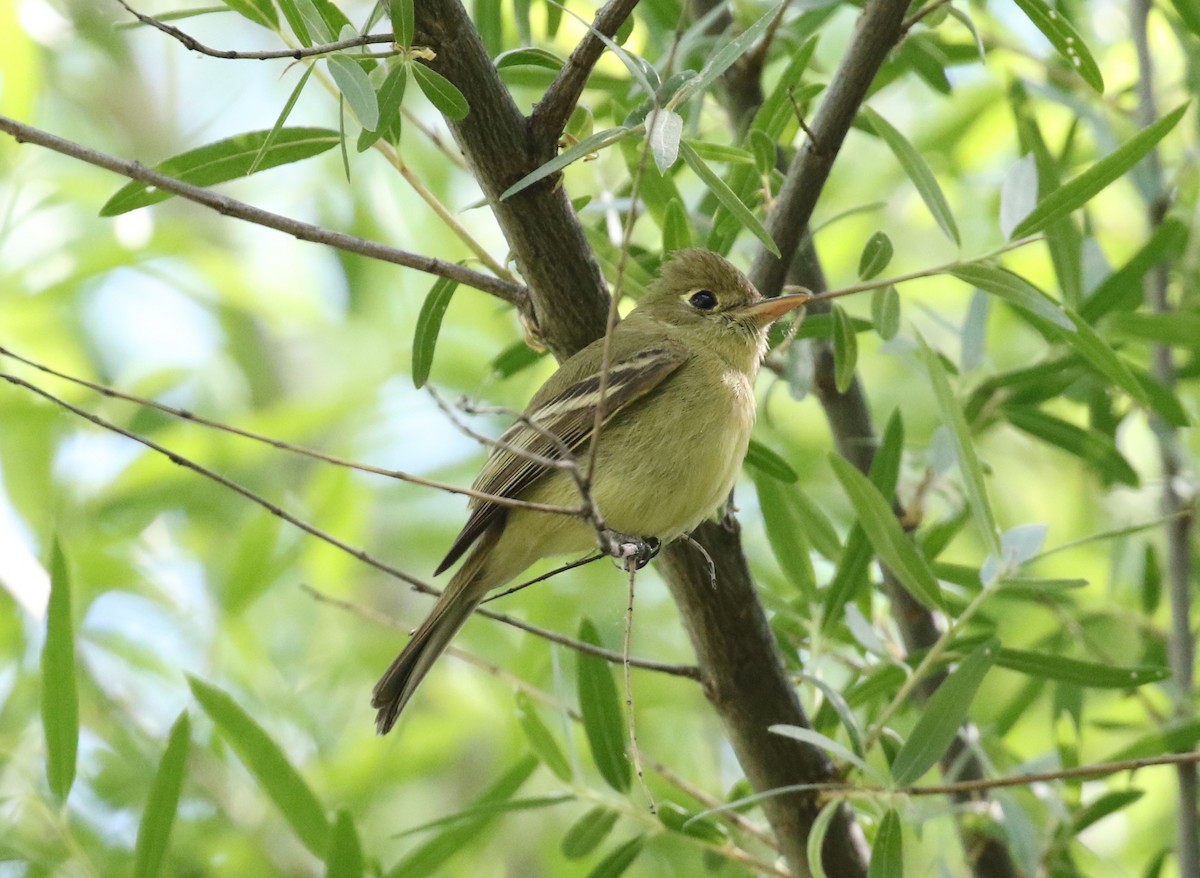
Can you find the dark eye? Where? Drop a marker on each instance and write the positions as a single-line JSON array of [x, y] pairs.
[[703, 300]]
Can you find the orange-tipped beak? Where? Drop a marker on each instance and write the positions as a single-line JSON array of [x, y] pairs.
[[770, 310]]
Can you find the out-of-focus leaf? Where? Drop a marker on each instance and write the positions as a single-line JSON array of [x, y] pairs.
[[585, 147], [842, 709], [540, 739], [1018, 193], [716, 152], [280, 120], [786, 532], [529, 56], [1078, 191], [876, 255], [269, 765], [776, 111], [356, 88], [727, 197], [429, 325], [678, 819], [917, 171], [391, 96], [816, 838], [344, 859], [1109, 803], [601, 708], [1151, 590], [1094, 675], [887, 854], [764, 151], [515, 358], [258, 11], [675, 232], [1088, 343], [154, 830], [586, 833], [1014, 289], [60, 696], [487, 808], [1091, 446], [295, 21], [942, 715], [845, 349], [619, 859], [1178, 328], [762, 458], [725, 57], [442, 93], [1065, 39], [824, 742], [1189, 13], [225, 160], [891, 544], [885, 311]]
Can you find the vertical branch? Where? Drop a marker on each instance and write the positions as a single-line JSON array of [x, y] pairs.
[[1180, 521]]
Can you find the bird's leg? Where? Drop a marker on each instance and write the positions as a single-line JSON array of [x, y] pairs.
[[729, 519], [632, 551]]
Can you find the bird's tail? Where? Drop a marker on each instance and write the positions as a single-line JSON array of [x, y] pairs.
[[456, 604]]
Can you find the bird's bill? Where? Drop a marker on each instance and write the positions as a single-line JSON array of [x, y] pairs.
[[770, 310]]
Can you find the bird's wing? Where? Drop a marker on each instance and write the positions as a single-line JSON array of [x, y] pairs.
[[555, 426]]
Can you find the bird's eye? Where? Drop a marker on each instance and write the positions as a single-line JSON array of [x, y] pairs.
[[703, 300]]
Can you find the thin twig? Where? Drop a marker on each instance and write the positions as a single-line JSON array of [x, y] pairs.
[[514, 294], [562, 568], [634, 750], [190, 42]]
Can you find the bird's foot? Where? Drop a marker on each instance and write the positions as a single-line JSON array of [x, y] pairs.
[[633, 552]]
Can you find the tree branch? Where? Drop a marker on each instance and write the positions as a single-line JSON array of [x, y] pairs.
[[515, 294]]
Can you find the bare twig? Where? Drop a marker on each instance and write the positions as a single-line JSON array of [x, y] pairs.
[[634, 750], [510, 292]]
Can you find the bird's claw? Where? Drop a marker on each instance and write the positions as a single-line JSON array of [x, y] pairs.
[[633, 552]]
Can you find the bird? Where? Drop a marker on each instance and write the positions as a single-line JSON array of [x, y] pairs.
[[678, 409]]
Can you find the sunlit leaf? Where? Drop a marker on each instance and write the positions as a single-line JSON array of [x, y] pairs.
[[586, 147], [725, 57], [1063, 36]]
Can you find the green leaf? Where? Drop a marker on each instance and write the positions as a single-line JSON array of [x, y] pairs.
[[815, 739], [765, 153], [529, 56], [586, 833], [488, 809], [716, 152], [1054, 25], [356, 88], [391, 96], [1088, 343], [428, 859], [816, 838], [540, 739], [1013, 289], [619, 859], [60, 697], [942, 715], [442, 93], [154, 830], [845, 349], [679, 819], [676, 234], [1103, 806], [1178, 328], [964, 449], [1091, 446], [725, 57], [403, 17], [1189, 13], [762, 458], [917, 171], [315, 21], [885, 311], [727, 197], [603, 720], [225, 160], [786, 532], [273, 135], [663, 130], [585, 147], [1094, 675], [1078, 191], [876, 255], [887, 854], [345, 859], [258, 11], [891, 544], [429, 324], [776, 111], [269, 765], [515, 358], [1151, 579], [295, 21]]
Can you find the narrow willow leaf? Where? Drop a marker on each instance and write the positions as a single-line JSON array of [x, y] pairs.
[[887, 854], [428, 859], [489, 23], [345, 859], [891, 544], [1177, 328], [403, 21], [727, 197], [765, 152], [917, 171], [273, 135], [885, 311], [225, 160], [1078, 191], [942, 714], [295, 21], [258, 11], [1088, 343], [845, 349], [816, 838], [640, 70], [823, 742], [1014, 289], [663, 131], [602, 718], [541, 741], [1018, 193], [786, 533], [515, 358], [725, 57], [675, 231], [429, 325], [315, 21], [716, 152], [1151, 579], [842, 709], [154, 830], [1094, 675], [679, 819], [390, 97], [1103, 806], [60, 696], [762, 458], [1189, 13], [585, 147], [586, 833], [1065, 39], [776, 112], [876, 255], [269, 765], [964, 449], [619, 859], [1092, 447], [529, 56], [487, 809], [356, 88], [442, 93]]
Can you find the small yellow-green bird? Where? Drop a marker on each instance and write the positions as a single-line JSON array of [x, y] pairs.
[[677, 414]]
